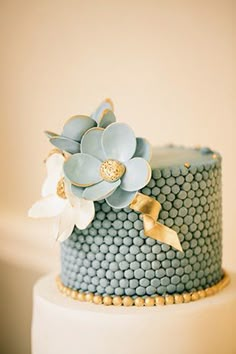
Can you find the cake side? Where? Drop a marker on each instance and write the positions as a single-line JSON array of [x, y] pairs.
[[114, 257]]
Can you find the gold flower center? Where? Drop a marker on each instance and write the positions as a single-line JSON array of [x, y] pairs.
[[61, 188], [112, 170]]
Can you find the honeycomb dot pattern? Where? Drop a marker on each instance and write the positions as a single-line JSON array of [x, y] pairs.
[[114, 257]]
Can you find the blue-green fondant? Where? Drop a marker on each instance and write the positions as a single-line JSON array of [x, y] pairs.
[[113, 256], [75, 127]]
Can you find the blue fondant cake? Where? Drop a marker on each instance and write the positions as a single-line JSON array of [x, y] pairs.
[[113, 256], [134, 221]]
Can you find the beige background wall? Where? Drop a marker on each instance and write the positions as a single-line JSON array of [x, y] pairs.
[[168, 66]]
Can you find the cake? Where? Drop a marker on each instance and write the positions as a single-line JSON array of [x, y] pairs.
[[139, 227]]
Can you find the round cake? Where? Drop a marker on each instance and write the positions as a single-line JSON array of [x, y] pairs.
[[112, 256], [139, 228]]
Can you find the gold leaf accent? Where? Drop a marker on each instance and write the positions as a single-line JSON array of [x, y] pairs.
[[150, 208]]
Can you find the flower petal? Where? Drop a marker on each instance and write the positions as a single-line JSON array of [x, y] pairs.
[[77, 191], [107, 104], [84, 212], [47, 207], [50, 134], [54, 166], [120, 198], [119, 142], [83, 170], [100, 190], [106, 119], [91, 143], [76, 126], [65, 144], [137, 175], [143, 149], [65, 224]]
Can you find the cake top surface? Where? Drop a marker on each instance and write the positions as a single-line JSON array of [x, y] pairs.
[[168, 156]]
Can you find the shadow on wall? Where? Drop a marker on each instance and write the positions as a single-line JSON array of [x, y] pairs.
[[16, 307]]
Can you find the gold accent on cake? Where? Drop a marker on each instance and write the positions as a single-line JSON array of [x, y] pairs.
[[81, 297], [150, 208], [149, 301], [97, 299], [156, 300], [107, 300], [214, 156], [187, 297], [128, 301], [61, 188], [89, 297], [117, 301], [187, 164], [139, 301], [112, 170], [169, 299], [160, 301], [178, 299], [74, 295], [195, 296], [201, 294]]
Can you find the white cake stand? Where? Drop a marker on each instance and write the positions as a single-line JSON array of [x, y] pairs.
[[65, 326]]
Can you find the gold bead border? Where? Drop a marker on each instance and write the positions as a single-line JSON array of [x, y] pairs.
[[140, 301]]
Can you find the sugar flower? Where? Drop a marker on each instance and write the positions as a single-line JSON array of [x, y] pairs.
[[113, 165], [73, 130], [59, 203]]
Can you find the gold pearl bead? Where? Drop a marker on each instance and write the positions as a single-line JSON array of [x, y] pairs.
[[81, 296], [201, 294], [107, 300], [160, 301], [117, 301], [178, 299], [149, 301], [89, 297], [127, 301], [68, 292], [139, 301], [187, 297], [208, 292], [214, 289], [97, 299], [64, 289], [169, 299], [195, 296], [74, 295]]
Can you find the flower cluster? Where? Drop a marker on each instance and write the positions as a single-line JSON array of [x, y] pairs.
[[97, 159]]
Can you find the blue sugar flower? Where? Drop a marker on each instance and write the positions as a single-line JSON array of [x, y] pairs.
[[113, 165], [76, 126]]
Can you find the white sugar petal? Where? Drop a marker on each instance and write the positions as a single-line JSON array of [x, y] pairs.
[[65, 224], [47, 207], [54, 166], [84, 213]]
